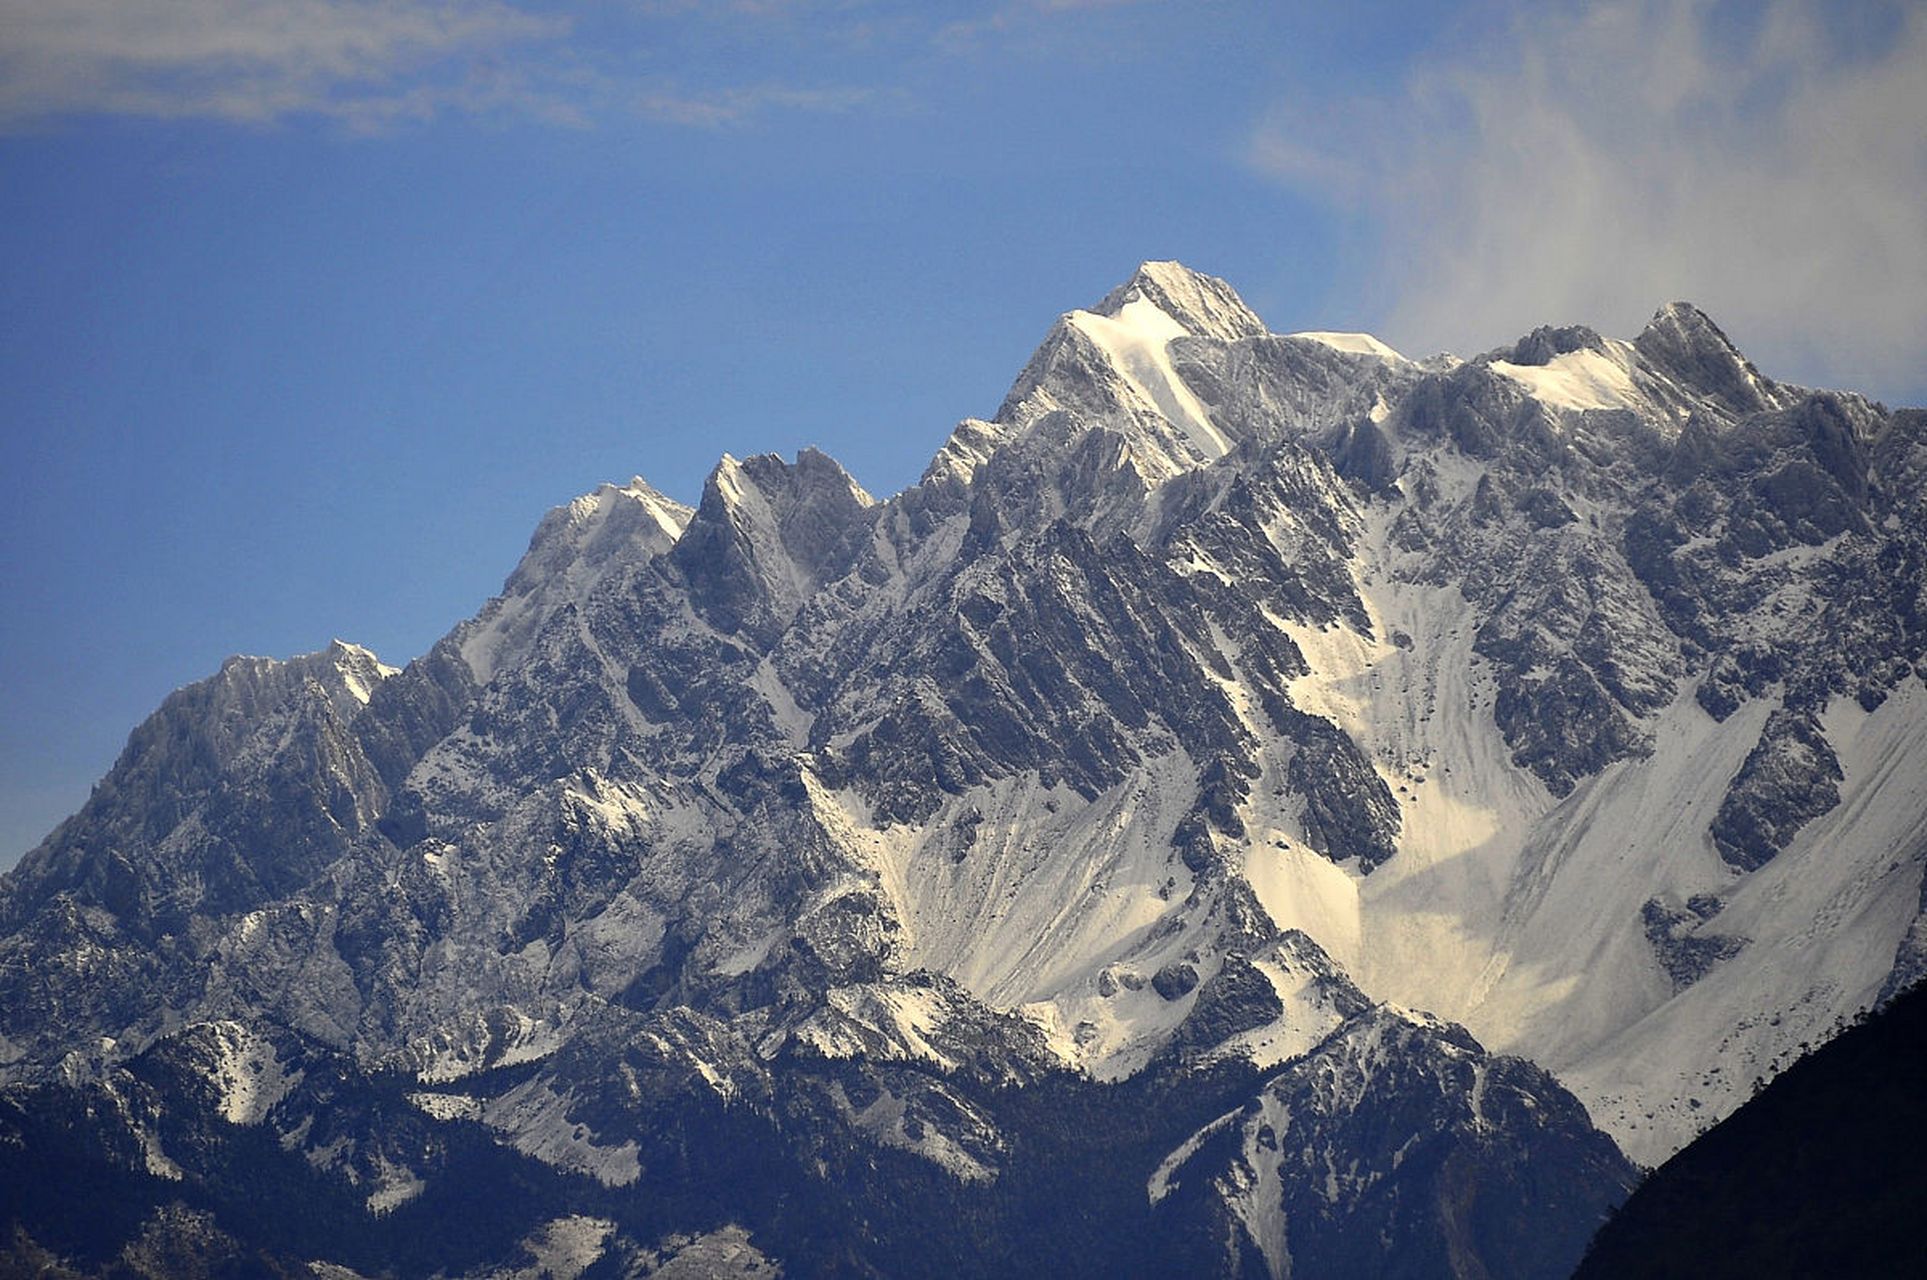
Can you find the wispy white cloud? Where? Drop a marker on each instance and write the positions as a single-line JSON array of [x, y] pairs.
[[732, 8], [1769, 163], [262, 60], [1032, 21], [371, 65], [734, 105]]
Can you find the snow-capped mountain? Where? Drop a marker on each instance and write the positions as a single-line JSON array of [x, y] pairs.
[[1253, 807]]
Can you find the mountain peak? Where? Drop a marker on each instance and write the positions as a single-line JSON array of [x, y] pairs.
[[767, 534], [1685, 325], [1112, 363], [346, 672], [360, 670], [1681, 311], [1682, 340], [1204, 305], [1547, 342], [813, 476], [596, 526]]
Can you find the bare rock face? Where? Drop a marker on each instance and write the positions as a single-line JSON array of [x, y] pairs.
[[1472, 1161], [1038, 870], [1683, 343], [765, 537], [1789, 779], [1686, 947]]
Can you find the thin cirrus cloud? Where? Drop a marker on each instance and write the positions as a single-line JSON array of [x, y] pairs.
[[369, 64], [257, 61], [1031, 21], [374, 64], [1768, 162], [734, 105]]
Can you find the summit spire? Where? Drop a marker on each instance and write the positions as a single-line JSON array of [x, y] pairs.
[[1204, 305]]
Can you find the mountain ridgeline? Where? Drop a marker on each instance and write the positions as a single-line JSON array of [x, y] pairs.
[[1260, 806]]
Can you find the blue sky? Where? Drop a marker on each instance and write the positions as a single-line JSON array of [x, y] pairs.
[[310, 308]]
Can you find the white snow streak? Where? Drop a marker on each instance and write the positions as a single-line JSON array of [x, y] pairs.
[[1136, 341], [1358, 344]]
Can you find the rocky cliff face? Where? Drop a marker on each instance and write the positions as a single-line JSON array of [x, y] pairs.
[[1395, 1127], [1093, 810]]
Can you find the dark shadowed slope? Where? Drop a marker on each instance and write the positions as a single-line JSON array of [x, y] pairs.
[[1823, 1174]]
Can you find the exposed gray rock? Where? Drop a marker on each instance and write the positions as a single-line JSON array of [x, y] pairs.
[[1400, 1128], [1176, 980], [765, 536], [1685, 950], [1682, 341], [1790, 778]]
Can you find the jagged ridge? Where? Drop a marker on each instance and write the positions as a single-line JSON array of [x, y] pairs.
[[1210, 638]]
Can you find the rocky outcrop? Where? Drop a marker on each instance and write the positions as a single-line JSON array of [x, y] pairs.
[[1790, 778], [1403, 1128], [1684, 949]]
